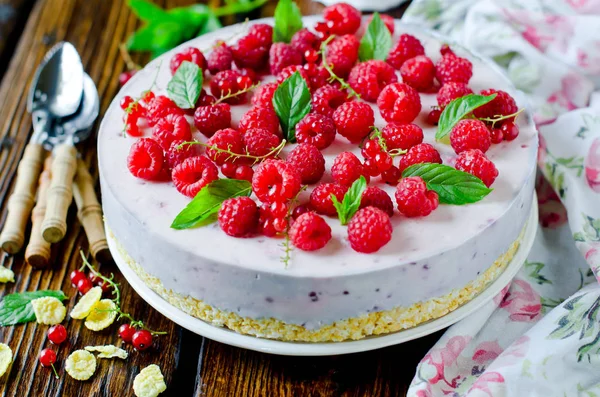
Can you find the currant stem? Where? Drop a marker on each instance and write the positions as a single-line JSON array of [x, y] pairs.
[[55, 372], [287, 248], [257, 159], [332, 76], [494, 120], [237, 93]]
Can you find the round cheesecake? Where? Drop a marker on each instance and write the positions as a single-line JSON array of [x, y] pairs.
[[431, 266]]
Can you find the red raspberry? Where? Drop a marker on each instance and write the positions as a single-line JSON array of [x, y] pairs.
[[353, 120], [402, 136], [387, 20], [304, 40], [418, 72], [219, 59], [476, 163], [260, 142], [275, 180], [250, 52], [310, 232], [179, 152], [347, 168], [453, 68], [320, 197], [259, 117], [414, 199], [407, 47], [421, 153], [451, 91], [262, 32], [263, 95], [502, 105], [309, 162], [317, 130], [227, 82], [212, 118], [327, 99], [159, 107], [370, 77], [145, 159], [342, 54], [342, 18], [227, 139], [288, 71], [399, 102], [189, 54], [470, 134], [193, 174], [282, 55], [174, 127], [238, 217], [378, 198], [369, 230]]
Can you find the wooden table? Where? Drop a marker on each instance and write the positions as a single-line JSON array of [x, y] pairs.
[[191, 364]]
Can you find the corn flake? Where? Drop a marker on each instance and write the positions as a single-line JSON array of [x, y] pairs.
[[103, 315], [6, 275], [49, 310], [87, 302], [81, 365], [108, 351], [149, 382], [5, 358]]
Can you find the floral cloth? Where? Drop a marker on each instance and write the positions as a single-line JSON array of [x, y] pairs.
[[541, 335]]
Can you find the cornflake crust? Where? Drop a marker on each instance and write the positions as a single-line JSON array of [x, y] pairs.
[[49, 310], [149, 382], [84, 307], [81, 365], [108, 351], [375, 323], [5, 358], [6, 275], [102, 315]]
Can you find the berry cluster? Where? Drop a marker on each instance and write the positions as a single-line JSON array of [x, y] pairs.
[[341, 87]]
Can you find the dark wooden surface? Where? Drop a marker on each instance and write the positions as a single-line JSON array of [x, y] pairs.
[[192, 365]]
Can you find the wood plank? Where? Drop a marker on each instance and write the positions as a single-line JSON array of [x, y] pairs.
[[13, 16]]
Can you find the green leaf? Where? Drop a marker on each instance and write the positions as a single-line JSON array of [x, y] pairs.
[[211, 24], [376, 42], [16, 308], [203, 208], [291, 102], [146, 10], [185, 85], [453, 186], [288, 20], [457, 110], [351, 202]]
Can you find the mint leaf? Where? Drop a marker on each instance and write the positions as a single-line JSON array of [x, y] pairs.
[[288, 20], [351, 202], [146, 10], [16, 308], [185, 85], [291, 102], [457, 110], [453, 186], [376, 42], [203, 208]]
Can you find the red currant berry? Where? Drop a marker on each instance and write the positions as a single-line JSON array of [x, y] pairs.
[[497, 135], [371, 167], [433, 117], [228, 169], [299, 210], [57, 334], [126, 332], [510, 131], [47, 357], [106, 287], [244, 82], [278, 209], [84, 285], [141, 339], [125, 102], [280, 224], [371, 149], [383, 161], [391, 176], [96, 280], [126, 76], [311, 56], [244, 172], [75, 276]]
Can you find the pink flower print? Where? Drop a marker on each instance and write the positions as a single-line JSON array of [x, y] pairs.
[[536, 39], [585, 6], [542, 150], [486, 380], [592, 166], [446, 356], [486, 352], [426, 392], [522, 302], [574, 92], [500, 297], [512, 355], [552, 214], [589, 63], [592, 256]]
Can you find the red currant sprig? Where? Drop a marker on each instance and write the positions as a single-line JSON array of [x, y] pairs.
[[47, 359], [245, 82], [332, 76], [232, 155], [378, 159]]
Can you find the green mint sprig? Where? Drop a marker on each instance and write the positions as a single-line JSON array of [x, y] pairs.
[[291, 102], [17, 309], [376, 42], [288, 20], [452, 186], [186, 85], [351, 202], [457, 110]]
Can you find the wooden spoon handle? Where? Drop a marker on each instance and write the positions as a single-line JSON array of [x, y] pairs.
[[60, 193], [22, 199], [37, 253], [89, 211]]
